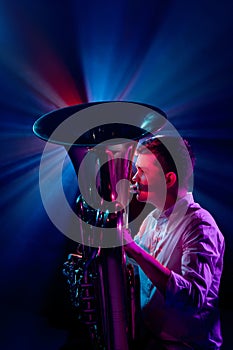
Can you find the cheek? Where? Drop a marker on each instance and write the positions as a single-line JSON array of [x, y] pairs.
[[144, 178], [157, 183]]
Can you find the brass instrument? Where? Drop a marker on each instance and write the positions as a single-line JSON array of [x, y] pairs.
[[100, 282]]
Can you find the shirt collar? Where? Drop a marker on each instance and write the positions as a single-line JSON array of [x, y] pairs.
[[181, 202]]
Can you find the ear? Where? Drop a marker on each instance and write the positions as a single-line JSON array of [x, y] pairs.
[[170, 179]]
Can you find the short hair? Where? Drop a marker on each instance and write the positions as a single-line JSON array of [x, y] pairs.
[[174, 154]]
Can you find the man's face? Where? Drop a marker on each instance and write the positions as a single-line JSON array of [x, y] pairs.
[[151, 180]]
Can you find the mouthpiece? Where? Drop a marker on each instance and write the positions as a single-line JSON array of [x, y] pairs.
[[134, 188]]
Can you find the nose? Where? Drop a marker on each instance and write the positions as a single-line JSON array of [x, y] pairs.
[[135, 177]]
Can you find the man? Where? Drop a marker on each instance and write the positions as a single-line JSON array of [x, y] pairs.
[[179, 250]]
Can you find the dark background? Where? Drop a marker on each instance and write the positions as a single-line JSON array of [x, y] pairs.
[[176, 55]]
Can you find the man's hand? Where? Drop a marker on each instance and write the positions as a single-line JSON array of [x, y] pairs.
[[127, 236], [127, 241]]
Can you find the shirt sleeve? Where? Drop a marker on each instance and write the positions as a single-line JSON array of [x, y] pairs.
[[201, 268]]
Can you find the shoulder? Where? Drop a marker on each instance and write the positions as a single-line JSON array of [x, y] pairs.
[[197, 215], [201, 226]]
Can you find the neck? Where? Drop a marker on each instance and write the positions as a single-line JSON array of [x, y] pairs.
[[171, 198]]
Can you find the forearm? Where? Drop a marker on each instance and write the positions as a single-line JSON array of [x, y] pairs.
[[156, 272]]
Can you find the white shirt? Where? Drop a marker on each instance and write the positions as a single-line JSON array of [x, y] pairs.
[[188, 242]]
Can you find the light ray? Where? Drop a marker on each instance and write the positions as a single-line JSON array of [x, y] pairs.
[[175, 55]]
